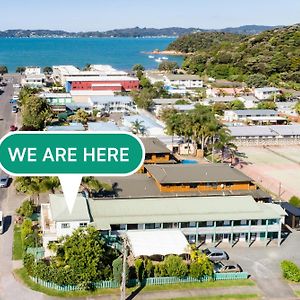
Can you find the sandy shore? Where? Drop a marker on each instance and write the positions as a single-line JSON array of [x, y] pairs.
[[168, 52]]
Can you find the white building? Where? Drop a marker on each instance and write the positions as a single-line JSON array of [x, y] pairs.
[[32, 71], [266, 93], [33, 80], [187, 81], [112, 104], [58, 221], [179, 107], [246, 114]]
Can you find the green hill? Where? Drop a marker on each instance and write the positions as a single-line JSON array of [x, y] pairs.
[[271, 57]]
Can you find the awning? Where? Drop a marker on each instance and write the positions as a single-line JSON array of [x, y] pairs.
[[157, 242]]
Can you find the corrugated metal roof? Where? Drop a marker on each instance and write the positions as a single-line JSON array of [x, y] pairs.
[[60, 211], [154, 145], [255, 112], [103, 126], [185, 209]]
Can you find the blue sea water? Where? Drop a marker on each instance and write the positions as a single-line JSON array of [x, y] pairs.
[[121, 53]]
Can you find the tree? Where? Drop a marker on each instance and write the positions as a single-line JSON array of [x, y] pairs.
[[237, 104], [94, 186], [36, 112], [200, 264], [48, 70], [267, 105], [81, 116], [86, 253], [26, 209], [257, 80], [87, 67], [175, 266], [145, 83], [168, 66], [295, 201], [20, 69], [138, 67], [3, 70], [26, 232], [118, 269], [137, 127]]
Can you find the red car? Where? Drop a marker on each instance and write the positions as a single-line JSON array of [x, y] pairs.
[[13, 128]]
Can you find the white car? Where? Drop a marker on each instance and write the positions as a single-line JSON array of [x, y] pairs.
[[16, 86]]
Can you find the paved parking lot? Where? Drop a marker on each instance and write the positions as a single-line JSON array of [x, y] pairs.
[[263, 264]]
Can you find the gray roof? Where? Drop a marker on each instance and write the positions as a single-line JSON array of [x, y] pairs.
[[71, 127], [274, 130], [60, 211], [154, 145], [168, 101], [103, 126], [185, 209], [182, 77], [108, 99], [255, 112], [196, 173], [141, 186], [267, 89]]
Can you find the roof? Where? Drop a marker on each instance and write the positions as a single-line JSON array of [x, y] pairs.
[[291, 209], [145, 121], [255, 112], [196, 173], [71, 127], [142, 186], [101, 78], [168, 101], [182, 77], [55, 95], [144, 243], [181, 209], [91, 93], [109, 99], [267, 89], [274, 130], [103, 126], [60, 211], [154, 145]]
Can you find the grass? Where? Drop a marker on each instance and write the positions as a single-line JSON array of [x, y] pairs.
[[22, 275], [227, 297], [297, 293], [17, 244]]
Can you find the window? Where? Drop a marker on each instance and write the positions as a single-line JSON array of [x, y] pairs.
[[202, 224], [150, 226], [132, 226], [84, 224], [219, 223], [167, 225], [209, 223], [65, 225], [115, 227]]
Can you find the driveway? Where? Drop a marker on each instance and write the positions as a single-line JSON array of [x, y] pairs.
[[263, 264]]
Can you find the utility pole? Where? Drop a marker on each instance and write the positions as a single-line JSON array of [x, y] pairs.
[[123, 284]]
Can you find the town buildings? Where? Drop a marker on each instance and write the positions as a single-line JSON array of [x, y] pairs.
[[266, 93]]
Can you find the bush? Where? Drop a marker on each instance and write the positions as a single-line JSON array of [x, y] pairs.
[[117, 269], [175, 266], [290, 271], [26, 209], [27, 234], [295, 201]]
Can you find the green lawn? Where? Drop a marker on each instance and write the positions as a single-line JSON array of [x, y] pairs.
[[22, 275], [227, 297], [297, 293], [17, 245]]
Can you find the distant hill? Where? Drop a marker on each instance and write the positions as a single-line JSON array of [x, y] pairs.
[[130, 32], [270, 57]]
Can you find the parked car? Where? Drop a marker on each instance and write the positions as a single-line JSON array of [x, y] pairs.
[[14, 109], [12, 101], [215, 254], [1, 222], [13, 128], [15, 97], [227, 267], [4, 179], [16, 86]]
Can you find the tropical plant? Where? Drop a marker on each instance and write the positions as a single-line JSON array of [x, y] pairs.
[[168, 66], [26, 209], [295, 201], [3, 70], [20, 69], [81, 116], [137, 127]]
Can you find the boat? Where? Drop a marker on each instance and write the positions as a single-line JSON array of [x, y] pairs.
[[151, 56], [164, 58], [159, 60]]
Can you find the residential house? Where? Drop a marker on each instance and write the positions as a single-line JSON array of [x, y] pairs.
[[266, 93]]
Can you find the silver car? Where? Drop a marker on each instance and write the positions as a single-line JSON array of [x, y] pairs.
[[215, 254], [227, 267], [4, 179]]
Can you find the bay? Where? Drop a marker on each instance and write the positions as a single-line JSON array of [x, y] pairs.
[[121, 53]]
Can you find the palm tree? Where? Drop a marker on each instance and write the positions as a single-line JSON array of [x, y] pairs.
[[29, 186], [94, 186], [50, 184], [137, 127], [224, 142]]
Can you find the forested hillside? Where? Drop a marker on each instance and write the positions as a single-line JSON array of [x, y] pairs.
[[271, 57]]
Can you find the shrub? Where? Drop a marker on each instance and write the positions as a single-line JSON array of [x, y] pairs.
[[27, 234], [117, 269], [175, 266], [290, 271], [26, 209], [295, 201]]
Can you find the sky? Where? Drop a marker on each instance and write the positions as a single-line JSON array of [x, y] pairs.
[[89, 15]]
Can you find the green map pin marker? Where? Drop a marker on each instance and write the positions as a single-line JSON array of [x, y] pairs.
[[71, 156]]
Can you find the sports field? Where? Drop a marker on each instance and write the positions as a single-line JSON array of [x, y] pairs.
[[276, 168]]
